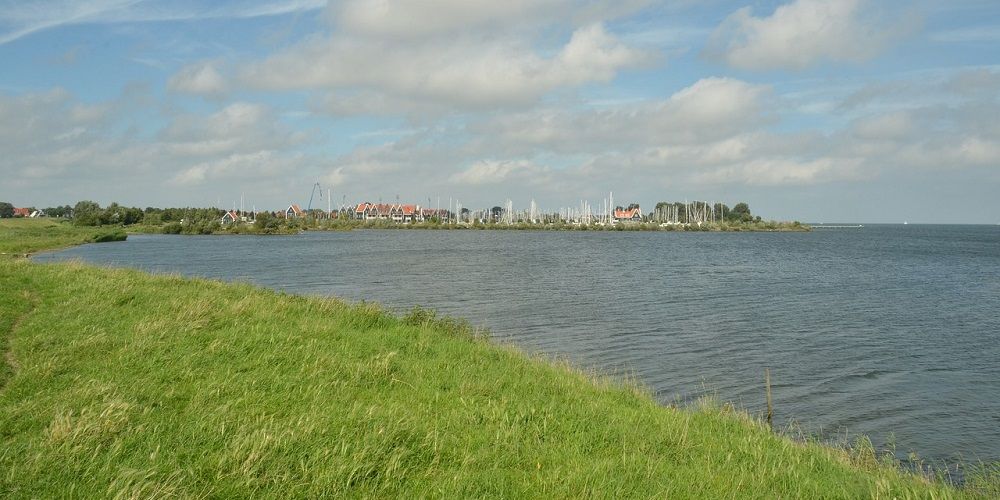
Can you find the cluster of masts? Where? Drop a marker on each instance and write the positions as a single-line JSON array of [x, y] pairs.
[[693, 212]]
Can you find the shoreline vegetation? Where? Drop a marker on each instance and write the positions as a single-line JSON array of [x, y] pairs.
[[119, 383], [693, 216], [22, 237]]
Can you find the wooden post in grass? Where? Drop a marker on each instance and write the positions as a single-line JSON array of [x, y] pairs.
[[770, 408]]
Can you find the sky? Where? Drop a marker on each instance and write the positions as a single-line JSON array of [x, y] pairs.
[[811, 110]]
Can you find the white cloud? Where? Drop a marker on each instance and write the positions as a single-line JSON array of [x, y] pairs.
[[468, 71], [981, 82], [785, 171], [418, 19], [890, 126], [200, 78], [238, 127], [976, 150], [426, 57], [239, 165], [58, 149], [21, 18], [335, 178], [805, 32], [710, 109], [496, 172], [371, 103]]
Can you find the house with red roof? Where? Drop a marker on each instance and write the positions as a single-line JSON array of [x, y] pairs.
[[404, 214], [409, 213], [22, 212], [230, 217], [294, 211], [371, 211], [384, 211], [374, 212], [629, 215], [360, 211], [430, 213]]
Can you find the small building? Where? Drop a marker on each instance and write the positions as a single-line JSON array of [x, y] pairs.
[[374, 212], [630, 215], [22, 212], [294, 211], [230, 218], [380, 211], [429, 214], [409, 213], [359, 211]]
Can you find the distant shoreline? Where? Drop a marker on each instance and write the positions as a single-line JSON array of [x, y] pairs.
[[296, 227]]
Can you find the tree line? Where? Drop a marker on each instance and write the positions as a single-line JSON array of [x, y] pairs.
[[701, 211]]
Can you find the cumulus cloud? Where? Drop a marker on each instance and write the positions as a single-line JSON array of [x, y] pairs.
[[495, 172], [468, 72], [47, 134], [414, 19], [55, 145], [805, 32], [889, 126], [239, 165], [785, 171], [237, 127], [708, 110], [420, 58], [201, 78]]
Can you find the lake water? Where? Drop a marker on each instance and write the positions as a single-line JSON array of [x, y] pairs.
[[884, 330]]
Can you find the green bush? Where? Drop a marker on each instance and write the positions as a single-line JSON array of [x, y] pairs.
[[116, 235]]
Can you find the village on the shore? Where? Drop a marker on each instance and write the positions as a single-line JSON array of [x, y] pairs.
[[369, 213], [665, 213], [402, 213]]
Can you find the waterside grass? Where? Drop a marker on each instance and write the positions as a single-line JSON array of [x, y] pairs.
[[20, 237], [122, 384]]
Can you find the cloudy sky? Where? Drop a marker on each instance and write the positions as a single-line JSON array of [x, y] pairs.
[[816, 110]]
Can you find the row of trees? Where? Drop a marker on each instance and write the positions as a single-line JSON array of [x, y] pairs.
[[169, 220], [701, 211], [90, 213], [7, 210]]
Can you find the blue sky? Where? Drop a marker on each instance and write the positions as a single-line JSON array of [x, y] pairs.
[[851, 110]]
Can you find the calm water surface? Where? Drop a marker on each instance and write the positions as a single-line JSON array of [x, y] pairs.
[[885, 330]]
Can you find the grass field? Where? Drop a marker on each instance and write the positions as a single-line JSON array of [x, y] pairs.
[[117, 383], [23, 236]]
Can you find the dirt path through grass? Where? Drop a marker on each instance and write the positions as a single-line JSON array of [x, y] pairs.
[[8, 355]]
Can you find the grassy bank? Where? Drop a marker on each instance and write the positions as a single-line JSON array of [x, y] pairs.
[[24, 236], [119, 383]]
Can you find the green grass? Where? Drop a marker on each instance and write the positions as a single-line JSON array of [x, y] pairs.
[[123, 384], [19, 237]]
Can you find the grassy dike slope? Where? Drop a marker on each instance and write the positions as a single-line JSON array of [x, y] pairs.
[[23, 236], [130, 385]]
